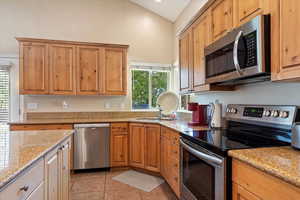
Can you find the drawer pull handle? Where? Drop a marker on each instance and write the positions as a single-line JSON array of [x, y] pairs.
[[24, 188]]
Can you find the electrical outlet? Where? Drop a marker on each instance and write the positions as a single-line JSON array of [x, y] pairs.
[[65, 105], [122, 105], [107, 105], [32, 106]]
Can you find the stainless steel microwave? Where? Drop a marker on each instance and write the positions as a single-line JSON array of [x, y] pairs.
[[241, 56]]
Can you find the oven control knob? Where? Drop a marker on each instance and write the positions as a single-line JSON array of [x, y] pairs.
[[267, 113], [284, 114], [228, 110], [234, 110], [275, 113]]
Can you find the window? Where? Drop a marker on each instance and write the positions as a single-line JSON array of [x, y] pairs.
[[4, 95], [147, 85], [4, 117]]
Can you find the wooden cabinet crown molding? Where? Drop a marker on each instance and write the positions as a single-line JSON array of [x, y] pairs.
[[49, 41]]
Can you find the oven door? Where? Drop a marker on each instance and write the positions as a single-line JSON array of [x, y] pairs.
[[202, 173]]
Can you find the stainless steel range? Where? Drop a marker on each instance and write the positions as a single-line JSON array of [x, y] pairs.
[[205, 165]]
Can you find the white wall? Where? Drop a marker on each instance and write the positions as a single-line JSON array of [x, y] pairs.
[[107, 21]]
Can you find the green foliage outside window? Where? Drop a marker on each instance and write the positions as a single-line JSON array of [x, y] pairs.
[[146, 87]]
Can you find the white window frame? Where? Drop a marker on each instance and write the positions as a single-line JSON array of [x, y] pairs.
[[150, 69]]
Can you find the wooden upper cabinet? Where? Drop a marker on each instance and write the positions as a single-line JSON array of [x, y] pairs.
[[246, 10], [34, 69], [152, 147], [89, 61], [185, 55], [289, 15], [115, 71], [222, 19], [137, 145], [62, 69], [71, 68], [201, 39]]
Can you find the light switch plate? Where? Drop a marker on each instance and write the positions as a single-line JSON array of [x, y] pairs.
[[32, 106], [107, 105]]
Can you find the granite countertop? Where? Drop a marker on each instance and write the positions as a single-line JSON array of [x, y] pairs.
[[19, 149], [282, 162], [178, 125]]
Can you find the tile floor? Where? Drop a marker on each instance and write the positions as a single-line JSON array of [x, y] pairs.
[[100, 186]]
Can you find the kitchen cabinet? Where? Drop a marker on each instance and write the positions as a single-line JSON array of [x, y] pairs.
[[221, 18], [57, 173], [185, 61], [152, 147], [89, 62], [170, 158], [201, 39], [115, 71], [250, 183], [47, 178], [145, 146], [62, 69], [285, 38], [137, 145], [246, 10], [119, 145], [34, 68], [72, 68]]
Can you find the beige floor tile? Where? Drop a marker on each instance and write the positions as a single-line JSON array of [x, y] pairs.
[[88, 185], [162, 192], [88, 196], [123, 195]]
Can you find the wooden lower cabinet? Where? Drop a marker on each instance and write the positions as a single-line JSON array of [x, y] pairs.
[[119, 145], [152, 147], [145, 146], [57, 173], [250, 183], [170, 158], [137, 145]]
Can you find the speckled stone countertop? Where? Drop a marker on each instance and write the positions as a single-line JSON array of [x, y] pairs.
[[282, 162], [178, 125], [20, 149]]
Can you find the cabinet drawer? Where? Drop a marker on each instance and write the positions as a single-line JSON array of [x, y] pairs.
[[38, 193], [119, 127], [26, 183]]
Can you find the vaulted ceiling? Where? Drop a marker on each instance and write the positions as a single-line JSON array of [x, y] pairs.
[[169, 9]]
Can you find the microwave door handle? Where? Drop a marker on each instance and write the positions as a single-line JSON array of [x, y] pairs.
[[235, 52], [201, 155]]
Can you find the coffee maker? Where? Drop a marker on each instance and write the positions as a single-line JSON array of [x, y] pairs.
[[200, 113]]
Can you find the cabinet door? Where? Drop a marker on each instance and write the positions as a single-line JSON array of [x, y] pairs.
[[185, 67], [246, 10], [38, 193], [114, 75], [239, 193], [201, 38], [289, 40], [221, 16], [89, 61], [62, 69], [152, 147], [52, 177], [137, 147], [65, 171], [34, 69], [119, 149]]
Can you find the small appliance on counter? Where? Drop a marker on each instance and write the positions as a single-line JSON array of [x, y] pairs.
[[215, 115], [200, 113], [296, 136]]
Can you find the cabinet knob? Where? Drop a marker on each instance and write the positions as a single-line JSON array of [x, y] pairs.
[[24, 188]]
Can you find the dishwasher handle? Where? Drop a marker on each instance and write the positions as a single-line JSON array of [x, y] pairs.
[[92, 125]]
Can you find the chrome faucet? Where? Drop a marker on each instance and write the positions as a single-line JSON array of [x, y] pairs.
[[160, 111]]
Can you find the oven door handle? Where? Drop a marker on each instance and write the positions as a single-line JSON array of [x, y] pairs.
[[201, 155], [235, 53]]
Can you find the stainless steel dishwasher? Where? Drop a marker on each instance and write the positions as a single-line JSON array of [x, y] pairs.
[[91, 146]]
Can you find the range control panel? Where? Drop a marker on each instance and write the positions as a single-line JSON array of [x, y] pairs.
[[283, 115]]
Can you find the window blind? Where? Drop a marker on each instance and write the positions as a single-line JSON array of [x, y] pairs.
[[4, 95]]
